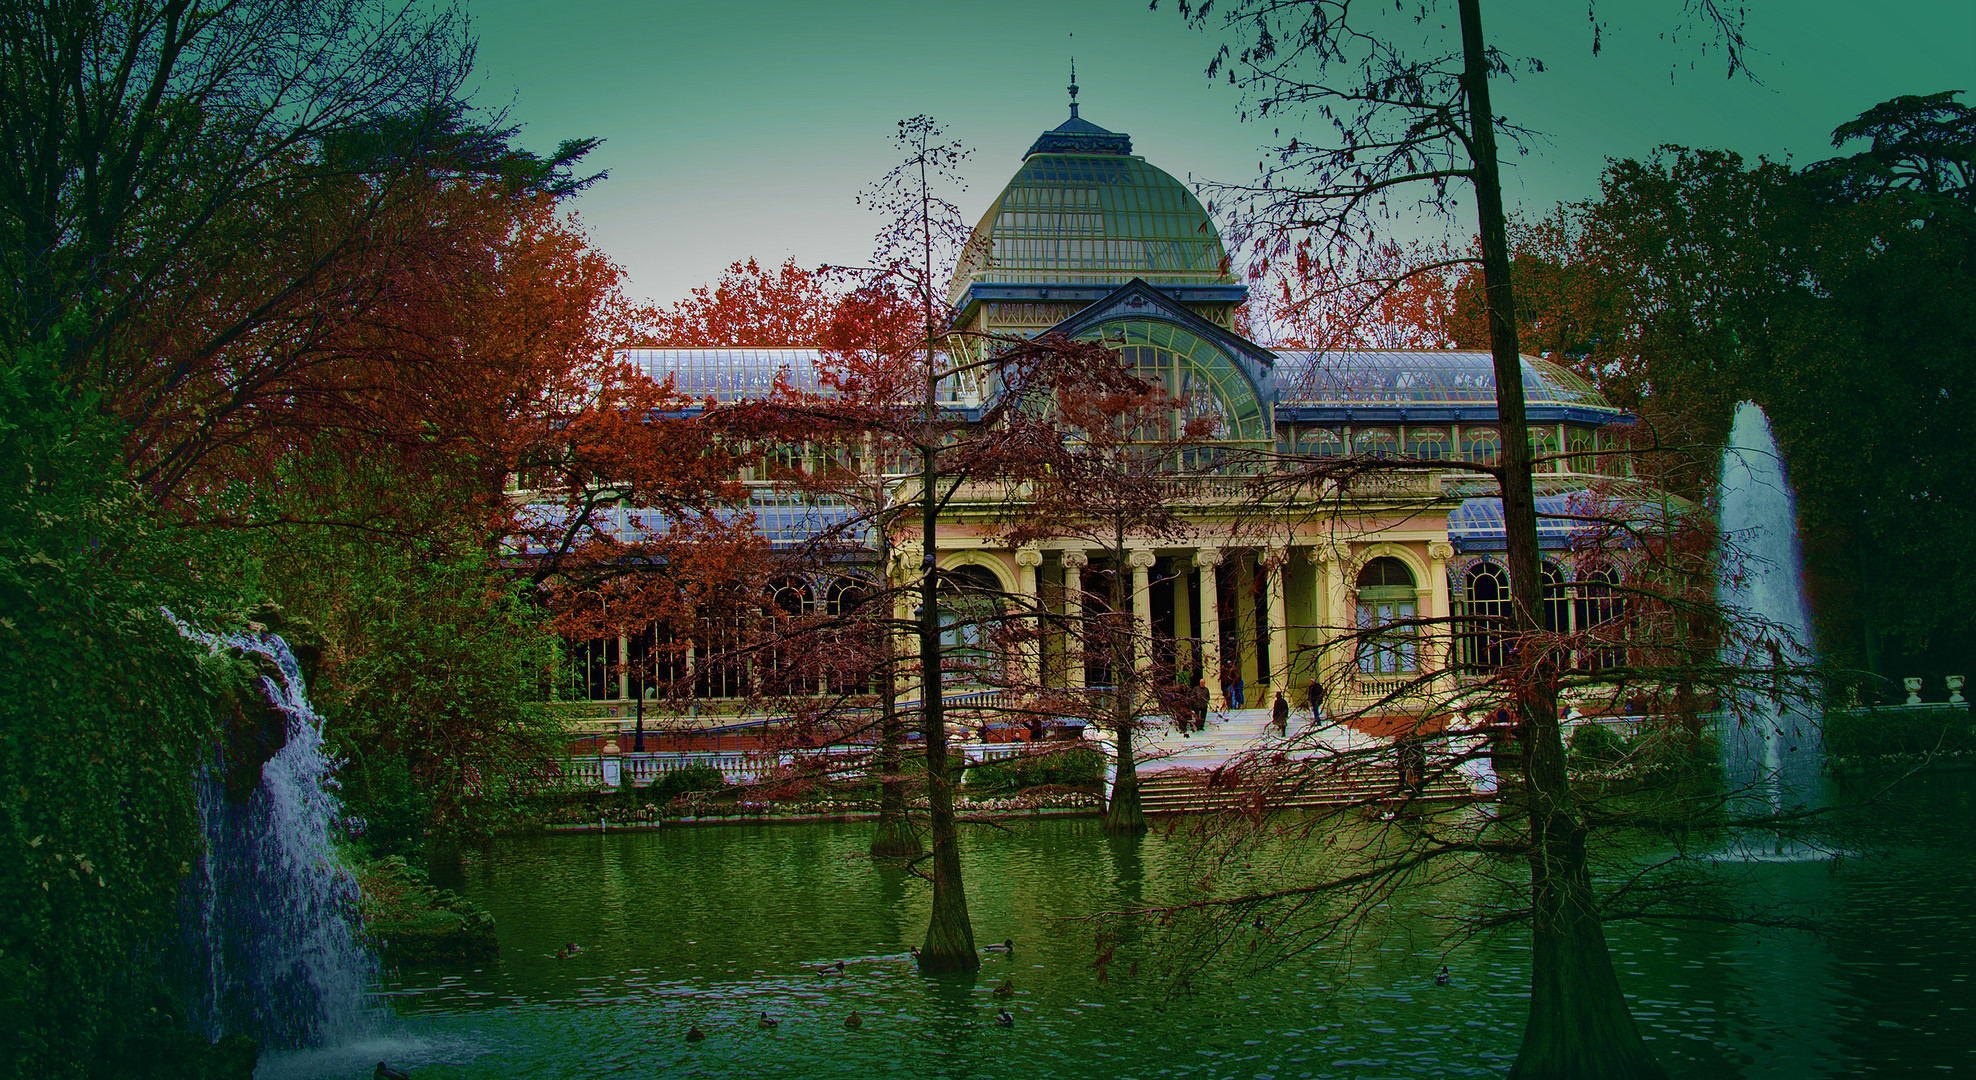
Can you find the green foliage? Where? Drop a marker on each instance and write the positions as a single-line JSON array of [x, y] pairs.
[[1883, 732], [693, 778], [1074, 765], [435, 667], [105, 714], [1596, 746]]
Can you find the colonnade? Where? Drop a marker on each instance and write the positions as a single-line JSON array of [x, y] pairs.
[[1287, 627]]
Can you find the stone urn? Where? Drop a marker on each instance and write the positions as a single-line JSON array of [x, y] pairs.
[[1913, 684], [1955, 690]]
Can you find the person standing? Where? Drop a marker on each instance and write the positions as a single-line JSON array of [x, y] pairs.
[[1279, 714], [1316, 693]]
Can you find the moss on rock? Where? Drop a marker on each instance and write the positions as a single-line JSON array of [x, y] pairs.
[[414, 923]]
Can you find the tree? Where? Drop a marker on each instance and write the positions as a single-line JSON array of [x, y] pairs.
[[1421, 120], [750, 306]]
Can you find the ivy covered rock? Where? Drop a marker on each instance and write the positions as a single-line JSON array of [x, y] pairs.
[[414, 923]]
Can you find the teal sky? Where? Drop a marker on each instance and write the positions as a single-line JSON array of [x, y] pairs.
[[737, 128]]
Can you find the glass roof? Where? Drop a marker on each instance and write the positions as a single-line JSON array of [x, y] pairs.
[[1093, 218], [726, 374], [1349, 377], [782, 521]]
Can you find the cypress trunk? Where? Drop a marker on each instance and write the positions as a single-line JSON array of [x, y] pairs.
[[1578, 1024], [895, 838], [949, 935], [1122, 812]]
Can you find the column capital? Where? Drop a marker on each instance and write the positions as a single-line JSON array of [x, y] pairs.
[[1075, 559], [1206, 556], [1275, 553], [1330, 552], [1440, 551], [1028, 555], [1141, 558]]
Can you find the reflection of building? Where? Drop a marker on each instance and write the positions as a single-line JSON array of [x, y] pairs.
[[1093, 242]]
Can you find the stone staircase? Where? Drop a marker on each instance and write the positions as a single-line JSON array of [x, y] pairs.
[[1240, 764]]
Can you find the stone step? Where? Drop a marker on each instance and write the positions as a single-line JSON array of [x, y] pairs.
[[1175, 791]]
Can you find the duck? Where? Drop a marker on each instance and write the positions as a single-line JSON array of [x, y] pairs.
[[1005, 1018], [386, 1072], [767, 1021], [572, 948], [1006, 990], [694, 1034], [561, 955], [830, 969], [912, 952], [1007, 946], [854, 1022], [1443, 977]]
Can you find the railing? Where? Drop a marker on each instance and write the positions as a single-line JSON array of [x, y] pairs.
[[601, 771]]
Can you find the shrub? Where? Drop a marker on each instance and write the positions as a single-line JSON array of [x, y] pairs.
[[1075, 765], [1596, 746], [683, 781], [1899, 731]]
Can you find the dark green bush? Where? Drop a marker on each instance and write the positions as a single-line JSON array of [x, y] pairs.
[[1899, 731], [1596, 746], [684, 781], [1074, 765]]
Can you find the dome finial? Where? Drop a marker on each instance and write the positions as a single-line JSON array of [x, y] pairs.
[[1073, 80]]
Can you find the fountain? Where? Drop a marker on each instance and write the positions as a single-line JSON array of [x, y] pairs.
[[269, 945], [1772, 749]]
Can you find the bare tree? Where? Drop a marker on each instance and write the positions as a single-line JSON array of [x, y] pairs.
[[1405, 96]]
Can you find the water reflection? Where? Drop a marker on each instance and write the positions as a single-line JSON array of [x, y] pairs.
[[712, 926]]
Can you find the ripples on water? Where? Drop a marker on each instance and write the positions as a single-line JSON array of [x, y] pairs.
[[712, 926]]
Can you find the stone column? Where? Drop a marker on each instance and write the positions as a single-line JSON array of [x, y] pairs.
[[624, 667], [1437, 645], [1276, 558], [1029, 652], [1334, 662], [1141, 560], [905, 572], [1205, 560], [1074, 563]]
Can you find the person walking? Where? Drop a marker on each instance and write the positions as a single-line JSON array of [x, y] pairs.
[[1316, 693], [1279, 714]]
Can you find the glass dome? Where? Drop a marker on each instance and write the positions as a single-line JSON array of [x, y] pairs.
[[1097, 218], [1427, 377]]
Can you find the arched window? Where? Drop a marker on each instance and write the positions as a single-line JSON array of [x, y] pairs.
[[1386, 598], [1376, 442], [1428, 443], [970, 600], [1323, 443], [1485, 617], [1598, 615], [1583, 443], [1557, 601], [1481, 445]]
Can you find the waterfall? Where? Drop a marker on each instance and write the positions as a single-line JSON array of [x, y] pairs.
[[270, 930], [1772, 748]]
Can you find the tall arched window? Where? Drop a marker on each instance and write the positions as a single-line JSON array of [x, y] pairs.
[[1485, 617], [1557, 600], [1598, 616], [970, 600], [1386, 598]]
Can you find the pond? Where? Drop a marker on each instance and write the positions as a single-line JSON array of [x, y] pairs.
[[712, 926]]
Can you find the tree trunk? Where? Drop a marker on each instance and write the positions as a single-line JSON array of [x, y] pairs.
[[1123, 813], [1578, 1023], [949, 935], [895, 838]]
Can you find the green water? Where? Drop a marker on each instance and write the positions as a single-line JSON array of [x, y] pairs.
[[713, 925]]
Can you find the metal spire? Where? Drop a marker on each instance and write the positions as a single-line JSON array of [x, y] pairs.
[[1073, 83]]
